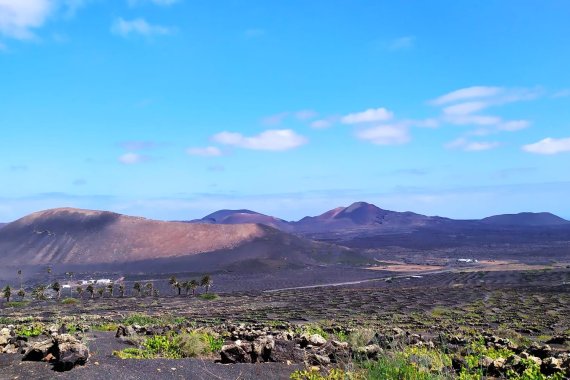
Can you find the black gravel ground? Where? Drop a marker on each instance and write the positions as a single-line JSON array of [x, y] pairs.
[[104, 366]]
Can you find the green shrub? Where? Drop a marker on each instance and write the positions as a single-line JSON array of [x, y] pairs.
[[105, 327], [30, 331], [69, 301], [209, 296], [17, 303], [141, 319], [173, 346], [360, 337], [333, 374]]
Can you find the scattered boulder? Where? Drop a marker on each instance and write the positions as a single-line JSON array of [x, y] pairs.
[[69, 352], [39, 350], [234, 353], [286, 351]]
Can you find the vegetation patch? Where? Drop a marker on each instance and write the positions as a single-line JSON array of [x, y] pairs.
[[69, 301], [17, 303], [209, 296], [30, 331], [174, 346]]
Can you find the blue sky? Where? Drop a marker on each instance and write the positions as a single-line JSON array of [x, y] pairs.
[[174, 109]]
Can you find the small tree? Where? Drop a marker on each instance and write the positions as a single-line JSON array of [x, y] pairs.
[[56, 286], [186, 286], [100, 292], [148, 286], [122, 290], [70, 276], [206, 282], [111, 288], [193, 286], [20, 277], [137, 288], [39, 292], [174, 283], [91, 290], [7, 293], [21, 293], [79, 291]]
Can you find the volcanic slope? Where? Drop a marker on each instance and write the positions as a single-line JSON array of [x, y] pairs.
[[83, 237]]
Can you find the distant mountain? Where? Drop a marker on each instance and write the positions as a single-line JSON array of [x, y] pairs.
[[365, 219], [527, 219], [82, 237], [244, 216], [2, 225], [364, 216]]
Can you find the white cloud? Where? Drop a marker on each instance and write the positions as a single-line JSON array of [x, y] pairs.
[[368, 116], [562, 93], [385, 135], [549, 146], [467, 93], [156, 2], [139, 26], [19, 17], [209, 151], [472, 146], [272, 140], [321, 124], [465, 108], [275, 119], [513, 125], [402, 43], [306, 114], [472, 119], [132, 158]]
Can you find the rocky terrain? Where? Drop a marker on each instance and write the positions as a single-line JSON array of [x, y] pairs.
[[481, 323]]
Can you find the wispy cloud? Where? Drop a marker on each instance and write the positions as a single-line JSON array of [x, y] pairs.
[[156, 2], [138, 145], [131, 158], [549, 146], [306, 114], [270, 140], [18, 18], [385, 135], [321, 124], [209, 151], [275, 119], [472, 146], [402, 43], [368, 116], [474, 92], [139, 26]]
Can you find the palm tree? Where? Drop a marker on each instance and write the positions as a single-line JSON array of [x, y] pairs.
[[149, 288], [39, 292], [186, 286], [7, 293], [111, 288], [91, 290], [70, 275], [100, 292], [174, 283], [206, 282], [193, 285], [137, 288], [56, 286], [21, 293], [20, 277], [79, 291], [122, 290]]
